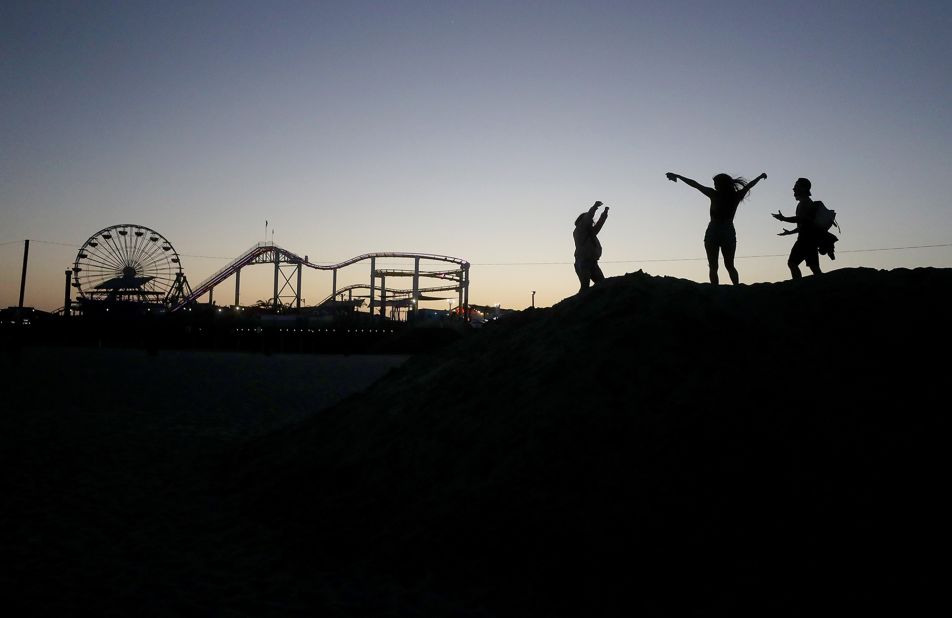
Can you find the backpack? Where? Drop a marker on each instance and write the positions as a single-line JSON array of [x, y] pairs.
[[824, 220]]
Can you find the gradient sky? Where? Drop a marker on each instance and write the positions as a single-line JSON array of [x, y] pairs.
[[472, 129]]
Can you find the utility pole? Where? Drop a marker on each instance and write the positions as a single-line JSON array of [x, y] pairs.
[[26, 257], [66, 300]]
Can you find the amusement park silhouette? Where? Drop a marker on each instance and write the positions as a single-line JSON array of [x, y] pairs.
[[132, 264], [128, 288]]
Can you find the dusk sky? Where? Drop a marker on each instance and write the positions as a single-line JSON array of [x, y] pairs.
[[472, 129]]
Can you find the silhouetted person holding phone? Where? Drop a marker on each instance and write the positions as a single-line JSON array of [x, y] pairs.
[[806, 249], [720, 236], [587, 248]]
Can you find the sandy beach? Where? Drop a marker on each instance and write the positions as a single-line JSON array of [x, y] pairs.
[[108, 456]]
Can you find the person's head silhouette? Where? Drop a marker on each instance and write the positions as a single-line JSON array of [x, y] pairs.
[[588, 214], [725, 183], [801, 188]]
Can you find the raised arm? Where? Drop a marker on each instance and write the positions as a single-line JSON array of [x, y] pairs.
[[750, 185], [586, 219], [600, 222], [708, 191]]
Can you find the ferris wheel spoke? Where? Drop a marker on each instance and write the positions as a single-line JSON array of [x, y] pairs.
[[160, 284], [158, 253], [139, 249], [127, 246], [96, 278], [98, 261], [160, 274], [94, 271], [157, 268], [98, 272], [113, 250], [89, 263], [155, 281], [155, 248], [108, 245], [95, 252], [153, 273], [159, 265], [152, 265], [135, 249], [105, 254], [124, 243], [119, 251], [150, 248], [156, 287], [145, 262]]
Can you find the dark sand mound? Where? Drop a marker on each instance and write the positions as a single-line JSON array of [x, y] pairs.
[[653, 443]]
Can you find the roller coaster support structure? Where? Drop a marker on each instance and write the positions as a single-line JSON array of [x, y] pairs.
[[288, 267]]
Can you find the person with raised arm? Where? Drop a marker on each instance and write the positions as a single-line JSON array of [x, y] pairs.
[[720, 237], [588, 249]]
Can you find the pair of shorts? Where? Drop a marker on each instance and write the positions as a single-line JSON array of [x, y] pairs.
[[588, 271], [720, 235], [804, 250]]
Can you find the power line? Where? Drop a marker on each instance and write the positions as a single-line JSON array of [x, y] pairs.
[[42, 242], [700, 259], [895, 248], [206, 257]]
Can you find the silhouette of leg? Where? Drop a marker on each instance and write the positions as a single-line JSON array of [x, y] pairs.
[[712, 248], [728, 251], [596, 273], [798, 253], [794, 270], [583, 275], [813, 259]]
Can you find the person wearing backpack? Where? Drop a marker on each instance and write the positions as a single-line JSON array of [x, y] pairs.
[[720, 237], [810, 235], [587, 247]]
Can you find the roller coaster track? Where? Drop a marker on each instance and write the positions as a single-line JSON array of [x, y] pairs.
[[391, 293], [268, 253]]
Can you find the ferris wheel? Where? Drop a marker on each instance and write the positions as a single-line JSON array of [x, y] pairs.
[[127, 262]]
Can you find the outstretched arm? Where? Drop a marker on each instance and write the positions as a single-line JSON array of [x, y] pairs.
[[779, 217], [750, 185], [601, 221], [708, 191]]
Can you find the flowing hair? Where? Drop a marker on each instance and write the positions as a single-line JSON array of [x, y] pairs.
[[737, 183]]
